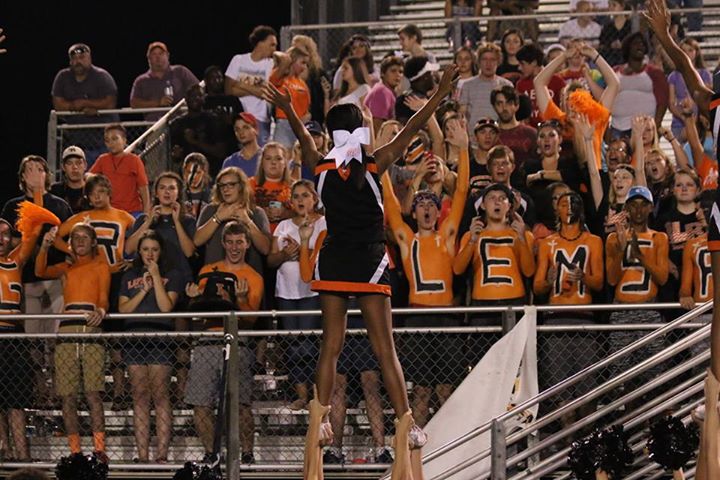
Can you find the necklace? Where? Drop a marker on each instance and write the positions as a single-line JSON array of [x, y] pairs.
[[570, 239]]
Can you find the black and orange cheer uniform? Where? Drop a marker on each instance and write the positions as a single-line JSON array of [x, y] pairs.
[[353, 258]]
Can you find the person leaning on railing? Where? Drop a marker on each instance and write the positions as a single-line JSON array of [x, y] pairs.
[[245, 293], [86, 284]]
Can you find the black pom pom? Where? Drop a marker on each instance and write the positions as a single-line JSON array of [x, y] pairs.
[[80, 467], [671, 443], [190, 471], [606, 450], [616, 451], [583, 457], [210, 473]]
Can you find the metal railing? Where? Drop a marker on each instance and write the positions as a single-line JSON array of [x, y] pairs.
[[501, 440], [330, 37], [278, 431]]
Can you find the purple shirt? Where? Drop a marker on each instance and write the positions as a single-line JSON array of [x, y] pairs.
[[381, 101], [149, 87], [681, 92]]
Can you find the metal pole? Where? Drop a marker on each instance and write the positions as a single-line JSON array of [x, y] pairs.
[[233, 401], [295, 13], [508, 321], [499, 450], [52, 144], [457, 33], [322, 39], [285, 38]]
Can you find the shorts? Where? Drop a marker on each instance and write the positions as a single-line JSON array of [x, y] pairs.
[[431, 359], [352, 268], [79, 361], [148, 351], [16, 372], [203, 387], [357, 355]]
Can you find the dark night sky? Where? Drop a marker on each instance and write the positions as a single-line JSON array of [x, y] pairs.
[[40, 33]]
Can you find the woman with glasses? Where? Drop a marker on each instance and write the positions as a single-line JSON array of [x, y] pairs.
[[232, 201]]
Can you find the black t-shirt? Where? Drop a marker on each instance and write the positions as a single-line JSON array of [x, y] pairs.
[[679, 227], [56, 205], [569, 170], [74, 197], [225, 106], [208, 128]]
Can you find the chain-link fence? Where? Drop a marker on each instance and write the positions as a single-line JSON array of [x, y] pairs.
[[69, 128], [155, 395]]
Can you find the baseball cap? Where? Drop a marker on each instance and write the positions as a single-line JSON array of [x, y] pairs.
[[416, 67], [486, 122], [73, 151], [248, 117], [639, 192], [159, 45], [78, 48], [314, 127]]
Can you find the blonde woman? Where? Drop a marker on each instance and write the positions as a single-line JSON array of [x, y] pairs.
[[315, 77]]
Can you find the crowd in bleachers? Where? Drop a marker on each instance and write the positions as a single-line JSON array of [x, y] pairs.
[[539, 180]]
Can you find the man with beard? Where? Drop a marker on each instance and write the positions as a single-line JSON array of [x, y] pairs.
[[71, 187], [83, 87], [569, 270], [520, 137]]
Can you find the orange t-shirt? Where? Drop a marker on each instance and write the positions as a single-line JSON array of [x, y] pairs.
[[633, 282], [500, 263], [127, 174], [707, 170], [584, 252], [270, 191], [111, 225], [299, 94], [697, 278], [86, 284]]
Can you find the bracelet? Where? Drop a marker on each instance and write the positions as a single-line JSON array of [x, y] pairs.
[[596, 57], [671, 139], [215, 219]]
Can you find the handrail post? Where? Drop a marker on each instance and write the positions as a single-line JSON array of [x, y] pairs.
[[457, 33], [285, 37], [498, 448], [233, 400], [52, 145], [508, 321]]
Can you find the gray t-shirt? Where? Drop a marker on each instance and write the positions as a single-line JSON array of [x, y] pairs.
[[214, 248], [149, 87], [475, 97], [97, 84]]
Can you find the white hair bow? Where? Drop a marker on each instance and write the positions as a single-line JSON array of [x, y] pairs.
[[347, 145]]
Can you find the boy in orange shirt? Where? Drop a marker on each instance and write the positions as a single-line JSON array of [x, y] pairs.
[[126, 172], [203, 387], [86, 286], [637, 264]]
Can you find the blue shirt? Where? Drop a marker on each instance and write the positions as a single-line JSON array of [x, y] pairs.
[[247, 165]]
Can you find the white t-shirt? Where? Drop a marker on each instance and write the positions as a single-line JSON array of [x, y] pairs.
[[355, 96], [572, 29], [289, 285], [246, 70]]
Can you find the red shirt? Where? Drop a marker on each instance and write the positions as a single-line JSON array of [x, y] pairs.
[[127, 174], [525, 85]]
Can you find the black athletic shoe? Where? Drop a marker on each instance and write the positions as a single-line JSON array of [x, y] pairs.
[[333, 456]]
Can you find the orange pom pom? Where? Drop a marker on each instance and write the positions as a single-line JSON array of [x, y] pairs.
[[32, 217], [581, 101]]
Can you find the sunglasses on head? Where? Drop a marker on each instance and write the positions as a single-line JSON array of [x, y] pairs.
[[554, 123]]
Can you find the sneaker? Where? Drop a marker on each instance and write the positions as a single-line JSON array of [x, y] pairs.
[[334, 456], [101, 457], [382, 455], [247, 458], [417, 438]]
